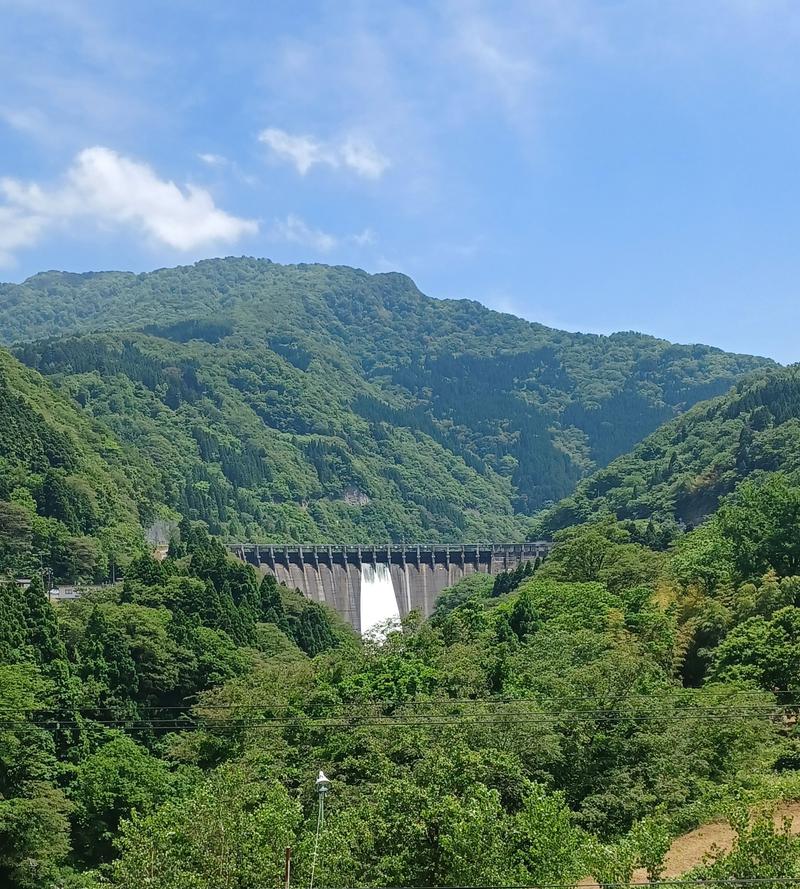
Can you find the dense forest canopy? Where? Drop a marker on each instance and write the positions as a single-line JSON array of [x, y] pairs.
[[557, 723], [677, 475], [316, 403], [72, 497], [561, 721]]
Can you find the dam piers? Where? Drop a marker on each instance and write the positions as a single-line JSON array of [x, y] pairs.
[[419, 572]]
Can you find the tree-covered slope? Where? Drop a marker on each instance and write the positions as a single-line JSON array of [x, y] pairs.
[[552, 728], [317, 402], [260, 450], [71, 496], [681, 471]]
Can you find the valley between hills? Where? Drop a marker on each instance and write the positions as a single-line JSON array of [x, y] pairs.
[[588, 716]]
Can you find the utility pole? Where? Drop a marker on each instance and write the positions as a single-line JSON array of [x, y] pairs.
[[287, 867], [46, 575]]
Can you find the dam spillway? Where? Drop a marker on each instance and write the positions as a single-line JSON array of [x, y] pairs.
[[419, 573], [378, 601]]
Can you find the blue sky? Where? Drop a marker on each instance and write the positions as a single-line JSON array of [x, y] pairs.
[[595, 165]]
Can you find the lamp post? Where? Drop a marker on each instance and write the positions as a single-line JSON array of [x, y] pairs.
[[323, 785]]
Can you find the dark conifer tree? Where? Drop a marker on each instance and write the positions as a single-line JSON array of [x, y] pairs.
[[41, 625], [13, 626], [105, 660]]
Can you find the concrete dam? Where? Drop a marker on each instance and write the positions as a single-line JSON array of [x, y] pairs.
[[368, 584]]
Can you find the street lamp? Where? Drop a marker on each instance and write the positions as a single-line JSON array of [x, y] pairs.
[[323, 785]]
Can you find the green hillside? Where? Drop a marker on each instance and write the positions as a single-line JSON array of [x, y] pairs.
[[535, 731], [71, 496], [681, 471], [314, 402], [554, 722], [258, 449]]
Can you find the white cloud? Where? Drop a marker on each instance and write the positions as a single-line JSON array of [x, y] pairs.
[[301, 151], [507, 72], [113, 190], [30, 121], [213, 160], [294, 230], [361, 155], [354, 152], [365, 238], [17, 231], [220, 162]]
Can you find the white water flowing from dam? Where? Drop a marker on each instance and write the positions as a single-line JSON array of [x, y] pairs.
[[378, 601]]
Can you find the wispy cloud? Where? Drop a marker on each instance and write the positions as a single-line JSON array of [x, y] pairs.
[[18, 230], [220, 163], [213, 160], [365, 238], [112, 190], [505, 70], [361, 155], [295, 230], [74, 74], [30, 121], [302, 152], [353, 152]]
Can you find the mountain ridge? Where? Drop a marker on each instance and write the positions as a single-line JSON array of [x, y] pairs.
[[112, 274], [288, 386]]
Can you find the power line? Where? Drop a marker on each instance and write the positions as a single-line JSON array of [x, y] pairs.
[[680, 709], [301, 721], [686, 706], [542, 708], [472, 702], [721, 881], [427, 713], [732, 695], [417, 718]]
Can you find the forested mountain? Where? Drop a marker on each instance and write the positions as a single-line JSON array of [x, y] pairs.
[[680, 472], [260, 450], [317, 403], [559, 721], [71, 496], [167, 732]]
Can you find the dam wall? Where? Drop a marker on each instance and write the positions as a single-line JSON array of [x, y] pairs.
[[333, 574]]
